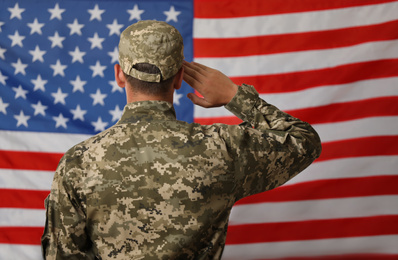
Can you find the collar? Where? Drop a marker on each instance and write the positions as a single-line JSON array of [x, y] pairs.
[[147, 111]]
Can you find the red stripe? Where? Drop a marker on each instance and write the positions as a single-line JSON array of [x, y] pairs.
[[21, 235], [328, 189], [238, 8], [314, 229], [28, 199], [270, 44], [383, 106], [29, 160], [295, 81], [342, 257]]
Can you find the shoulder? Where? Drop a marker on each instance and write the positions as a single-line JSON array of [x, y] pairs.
[[85, 152]]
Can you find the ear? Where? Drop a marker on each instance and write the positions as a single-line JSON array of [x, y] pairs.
[[178, 78], [119, 76]]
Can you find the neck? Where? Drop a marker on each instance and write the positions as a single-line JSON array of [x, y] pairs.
[[134, 97]]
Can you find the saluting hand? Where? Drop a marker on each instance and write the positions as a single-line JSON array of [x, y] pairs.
[[215, 87]]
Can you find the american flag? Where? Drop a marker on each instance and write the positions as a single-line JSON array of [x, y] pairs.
[[333, 64]]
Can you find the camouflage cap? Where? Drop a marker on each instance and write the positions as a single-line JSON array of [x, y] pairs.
[[153, 42]]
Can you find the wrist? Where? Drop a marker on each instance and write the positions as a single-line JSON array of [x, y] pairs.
[[231, 93]]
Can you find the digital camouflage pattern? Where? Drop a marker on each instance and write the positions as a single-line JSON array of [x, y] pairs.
[[153, 42], [152, 187]]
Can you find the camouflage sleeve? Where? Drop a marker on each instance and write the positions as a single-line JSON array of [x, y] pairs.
[[64, 234], [271, 146]]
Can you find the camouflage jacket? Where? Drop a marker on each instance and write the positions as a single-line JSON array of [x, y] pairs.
[[153, 187]]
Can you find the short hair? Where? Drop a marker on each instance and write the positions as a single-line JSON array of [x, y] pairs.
[[149, 88]]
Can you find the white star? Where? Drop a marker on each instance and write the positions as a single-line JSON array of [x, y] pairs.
[[56, 40], [98, 69], [99, 125], [35, 27], [75, 27], [56, 12], [95, 13], [39, 109], [37, 54], [1, 24], [20, 92], [115, 86], [78, 113], [3, 78], [114, 28], [59, 97], [96, 41], [114, 55], [58, 68], [135, 13], [98, 98], [39, 83], [16, 39], [171, 14], [3, 106], [116, 113], [77, 55], [16, 11], [176, 98], [2, 51], [60, 120], [22, 119], [19, 67], [78, 84]]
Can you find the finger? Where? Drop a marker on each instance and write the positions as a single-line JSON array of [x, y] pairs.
[[191, 68], [189, 65], [188, 69], [201, 66], [198, 100], [193, 78], [189, 79], [197, 67], [195, 84]]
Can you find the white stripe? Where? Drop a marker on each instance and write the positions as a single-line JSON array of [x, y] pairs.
[[312, 248], [11, 217], [275, 212], [24, 179], [319, 96], [20, 252], [295, 22], [325, 95], [41, 142], [374, 126], [302, 61], [348, 168]]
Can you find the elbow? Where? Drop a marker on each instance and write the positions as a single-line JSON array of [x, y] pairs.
[[317, 150], [313, 147], [317, 144]]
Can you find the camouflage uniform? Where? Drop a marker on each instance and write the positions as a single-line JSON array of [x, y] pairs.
[[153, 187]]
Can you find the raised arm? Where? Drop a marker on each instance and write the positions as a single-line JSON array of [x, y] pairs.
[[271, 147]]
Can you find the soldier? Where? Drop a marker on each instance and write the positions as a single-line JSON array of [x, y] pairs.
[[153, 187]]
